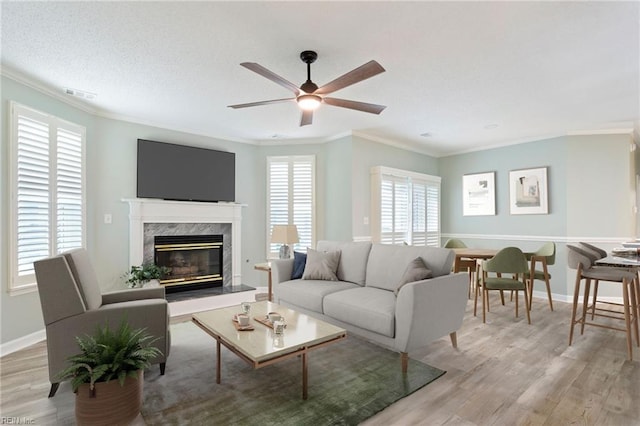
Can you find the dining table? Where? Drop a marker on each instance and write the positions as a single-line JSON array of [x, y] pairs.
[[472, 254]]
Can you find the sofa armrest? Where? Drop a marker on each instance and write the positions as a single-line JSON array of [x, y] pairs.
[[281, 270], [132, 294], [430, 309]]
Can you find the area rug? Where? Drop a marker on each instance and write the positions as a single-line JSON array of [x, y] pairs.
[[349, 381]]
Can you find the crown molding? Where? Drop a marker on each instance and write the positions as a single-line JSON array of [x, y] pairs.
[[394, 144], [47, 90]]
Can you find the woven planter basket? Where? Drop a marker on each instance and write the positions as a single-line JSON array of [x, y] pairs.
[[111, 404]]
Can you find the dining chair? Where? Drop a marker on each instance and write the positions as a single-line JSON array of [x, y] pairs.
[[546, 255], [509, 260], [582, 261], [468, 265]]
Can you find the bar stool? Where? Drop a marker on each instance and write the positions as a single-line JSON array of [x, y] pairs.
[[596, 253], [581, 261]]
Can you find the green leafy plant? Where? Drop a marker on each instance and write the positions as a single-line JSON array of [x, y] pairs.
[[110, 355], [149, 271]]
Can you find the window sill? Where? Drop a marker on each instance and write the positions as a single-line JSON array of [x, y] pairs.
[[24, 289]]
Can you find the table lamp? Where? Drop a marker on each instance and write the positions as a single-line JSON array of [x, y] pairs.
[[284, 234]]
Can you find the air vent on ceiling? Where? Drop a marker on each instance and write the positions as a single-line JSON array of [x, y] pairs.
[[80, 93]]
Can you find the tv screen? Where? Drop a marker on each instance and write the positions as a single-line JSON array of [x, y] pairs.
[[185, 173]]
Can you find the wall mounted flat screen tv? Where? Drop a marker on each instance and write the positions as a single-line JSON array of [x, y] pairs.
[[185, 173]]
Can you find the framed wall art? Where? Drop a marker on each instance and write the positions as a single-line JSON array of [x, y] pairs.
[[479, 194], [528, 193]]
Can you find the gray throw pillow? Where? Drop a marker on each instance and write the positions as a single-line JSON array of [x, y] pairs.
[[416, 271], [321, 266]]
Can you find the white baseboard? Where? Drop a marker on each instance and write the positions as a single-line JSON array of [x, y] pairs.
[[569, 298], [22, 342]]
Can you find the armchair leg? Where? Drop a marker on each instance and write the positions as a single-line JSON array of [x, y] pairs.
[[404, 361], [454, 339], [162, 366], [54, 389]]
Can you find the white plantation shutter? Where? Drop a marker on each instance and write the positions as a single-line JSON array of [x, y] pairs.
[[405, 207], [69, 191], [394, 211], [47, 190], [291, 199]]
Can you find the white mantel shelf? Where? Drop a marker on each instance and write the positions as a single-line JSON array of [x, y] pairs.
[[148, 210]]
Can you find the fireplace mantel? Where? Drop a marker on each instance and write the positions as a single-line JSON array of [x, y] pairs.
[[144, 210]]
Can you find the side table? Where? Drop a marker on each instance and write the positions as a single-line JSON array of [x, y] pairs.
[[266, 266]]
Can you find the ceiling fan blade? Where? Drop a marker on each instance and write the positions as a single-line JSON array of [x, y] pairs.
[[363, 72], [307, 117], [259, 69], [359, 106], [252, 104]]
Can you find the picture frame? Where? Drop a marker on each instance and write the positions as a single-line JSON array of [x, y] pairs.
[[528, 191], [479, 194]]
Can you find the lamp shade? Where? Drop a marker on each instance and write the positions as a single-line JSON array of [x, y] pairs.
[[285, 234]]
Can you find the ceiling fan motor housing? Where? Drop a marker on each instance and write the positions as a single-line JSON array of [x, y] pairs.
[[308, 56]]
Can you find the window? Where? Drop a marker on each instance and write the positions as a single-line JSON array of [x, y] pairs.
[[291, 199], [47, 191], [405, 207]]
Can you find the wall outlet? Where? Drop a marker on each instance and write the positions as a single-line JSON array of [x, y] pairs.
[[365, 220], [107, 218]]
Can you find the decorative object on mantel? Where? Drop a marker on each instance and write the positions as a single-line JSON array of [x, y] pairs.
[[139, 275], [107, 374], [285, 234]]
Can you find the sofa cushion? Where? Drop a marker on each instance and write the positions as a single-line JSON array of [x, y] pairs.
[[416, 271], [353, 259], [308, 294], [387, 263], [369, 308], [321, 266], [299, 262]]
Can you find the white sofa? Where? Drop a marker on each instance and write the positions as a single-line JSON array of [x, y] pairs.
[[363, 301]]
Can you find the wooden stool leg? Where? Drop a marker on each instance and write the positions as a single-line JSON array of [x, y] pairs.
[[627, 320], [517, 297], [634, 310], [595, 297], [587, 286], [574, 308]]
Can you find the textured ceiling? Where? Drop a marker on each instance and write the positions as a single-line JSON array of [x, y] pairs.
[[471, 74]]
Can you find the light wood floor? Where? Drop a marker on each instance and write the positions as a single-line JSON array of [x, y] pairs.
[[505, 372]]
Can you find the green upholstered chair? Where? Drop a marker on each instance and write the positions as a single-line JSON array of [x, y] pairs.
[[545, 255], [455, 243], [511, 261], [468, 265]]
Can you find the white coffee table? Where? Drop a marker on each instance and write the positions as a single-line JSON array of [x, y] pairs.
[[262, 347]]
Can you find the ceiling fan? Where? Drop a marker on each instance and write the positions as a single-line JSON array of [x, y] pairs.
[[309, 96]]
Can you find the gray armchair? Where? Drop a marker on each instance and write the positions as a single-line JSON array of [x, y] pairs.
[[72, 305]]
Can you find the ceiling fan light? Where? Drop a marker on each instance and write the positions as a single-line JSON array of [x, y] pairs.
[[309, 102]]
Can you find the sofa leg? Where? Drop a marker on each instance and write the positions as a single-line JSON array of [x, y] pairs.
[[162, 366], [454, 339], [404, 360], [54, 389]]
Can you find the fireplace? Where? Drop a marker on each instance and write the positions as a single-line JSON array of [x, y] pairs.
[[194, 261], [149, 218]]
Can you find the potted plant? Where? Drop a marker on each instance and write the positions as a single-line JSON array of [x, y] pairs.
[[145, 273], [107, 374]]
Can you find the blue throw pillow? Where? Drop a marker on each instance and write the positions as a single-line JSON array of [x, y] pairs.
[[299, 262]]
